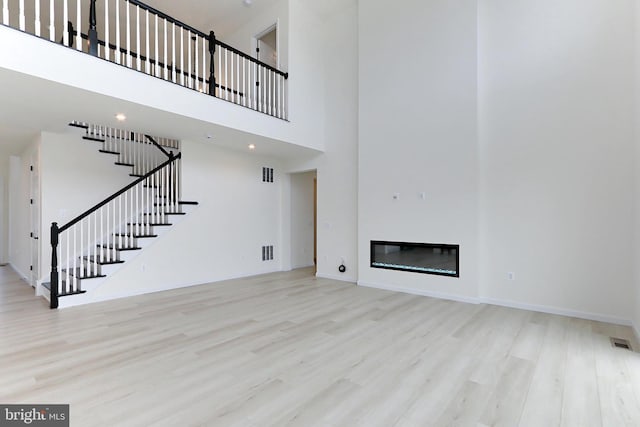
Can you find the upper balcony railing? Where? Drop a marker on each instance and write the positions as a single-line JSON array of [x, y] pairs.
[[137, 36]]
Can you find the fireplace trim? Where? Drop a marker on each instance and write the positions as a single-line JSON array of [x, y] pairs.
[[420, 245]]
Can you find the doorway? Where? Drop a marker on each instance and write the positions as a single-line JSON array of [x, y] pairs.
[[34, 214], [3, 219], [267, 86], [303, 220], [267, 46]]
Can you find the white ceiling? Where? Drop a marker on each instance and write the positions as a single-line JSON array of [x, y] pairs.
[[221, 16], [37, 104]]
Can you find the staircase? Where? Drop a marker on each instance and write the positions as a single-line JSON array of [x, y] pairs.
[[94, 245]]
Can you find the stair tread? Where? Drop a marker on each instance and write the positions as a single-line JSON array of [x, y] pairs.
[[82, 275], [66, 294], [124, 248], [136, 175], [151, 224], [188, 203], [109, 152], [164, 213], [91, 259], [79, 125], [92, 138], [136, 236], [47, 286], [125, 164]]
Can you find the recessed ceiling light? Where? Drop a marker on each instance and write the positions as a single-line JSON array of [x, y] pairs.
[[121, 117], [252, 147], [247, 3]]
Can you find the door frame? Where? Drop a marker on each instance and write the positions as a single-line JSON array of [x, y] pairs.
[[315, 224], [260, 34], [35, 216]]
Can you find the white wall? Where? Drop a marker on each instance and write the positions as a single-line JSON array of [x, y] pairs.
[[636, 194], [54, 72], [19, 210], [337, 169], [221, 238], [75, 176], [306, 81], [4, 206], [302, 221], [556, 88], [302, 34], [418, 134], [242, 38]]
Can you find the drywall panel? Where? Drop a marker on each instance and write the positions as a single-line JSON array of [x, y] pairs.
[[222, 237], [337, 169], [75, 176], [636, 165], [417, 137], [52, 67], [556, 99], [243, 38], [4, 207], [19, 210]]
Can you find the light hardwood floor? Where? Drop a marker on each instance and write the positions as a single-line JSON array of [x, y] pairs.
[[288, 349]]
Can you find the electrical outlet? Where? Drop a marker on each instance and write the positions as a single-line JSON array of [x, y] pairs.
[[511, 275]]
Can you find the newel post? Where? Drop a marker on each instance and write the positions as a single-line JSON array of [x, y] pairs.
[[93, 32], [54, 265], [212, 68]]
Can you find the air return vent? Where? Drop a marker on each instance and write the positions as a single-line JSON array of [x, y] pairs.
[[620, 343], [267, 174], [267, 253]]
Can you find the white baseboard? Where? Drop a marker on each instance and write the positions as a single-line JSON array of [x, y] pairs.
[[412, 291], [336, 277], [91, 297], [559, 311], [511, 304], [636, 331]]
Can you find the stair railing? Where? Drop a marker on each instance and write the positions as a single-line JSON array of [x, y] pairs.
[[91, 239], [145, 39], [140, 151]]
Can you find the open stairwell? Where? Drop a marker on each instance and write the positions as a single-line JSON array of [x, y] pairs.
[[97, 243]]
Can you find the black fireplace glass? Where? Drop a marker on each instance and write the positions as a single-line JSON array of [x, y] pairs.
[[428, 258]]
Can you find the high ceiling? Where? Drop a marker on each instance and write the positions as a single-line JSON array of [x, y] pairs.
[[36, 105], [221, 16]]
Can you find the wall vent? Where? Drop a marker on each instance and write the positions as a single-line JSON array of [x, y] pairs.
[[267, 174], [267, 253], [620, 343]]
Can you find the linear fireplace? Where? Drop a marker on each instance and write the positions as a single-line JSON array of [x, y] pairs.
[[428, 258]]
